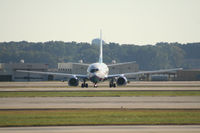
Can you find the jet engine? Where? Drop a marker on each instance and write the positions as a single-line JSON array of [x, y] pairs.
[[122, 81], [73, 81]]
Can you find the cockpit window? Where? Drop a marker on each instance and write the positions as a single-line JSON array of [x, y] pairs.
[[94, 70]]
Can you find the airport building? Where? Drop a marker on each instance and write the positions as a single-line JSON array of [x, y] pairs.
[[8, 72], [70, 68], [166, 76], [180, 75], [188, 75], [120, 68], [75, 68]]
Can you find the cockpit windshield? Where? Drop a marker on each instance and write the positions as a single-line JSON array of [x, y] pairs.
[[94, 70]]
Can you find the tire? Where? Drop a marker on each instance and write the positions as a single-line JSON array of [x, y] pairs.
[[82, 85], [86, 85], [111, 85], [114, 85]]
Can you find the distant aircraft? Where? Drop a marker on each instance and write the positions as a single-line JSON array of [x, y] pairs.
[[98, 72]]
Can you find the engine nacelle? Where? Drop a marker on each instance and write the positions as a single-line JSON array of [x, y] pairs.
[[73, 81], [122, 81]]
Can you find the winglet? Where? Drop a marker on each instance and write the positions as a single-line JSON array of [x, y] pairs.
[[101, 49]]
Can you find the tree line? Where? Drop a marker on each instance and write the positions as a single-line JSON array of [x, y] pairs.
[[149, 57]]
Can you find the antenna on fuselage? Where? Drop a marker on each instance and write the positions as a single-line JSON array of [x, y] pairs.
[[101, 49]]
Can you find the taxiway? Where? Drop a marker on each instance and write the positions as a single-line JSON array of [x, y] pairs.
[[62, 86], [104, 129], [183, 102]]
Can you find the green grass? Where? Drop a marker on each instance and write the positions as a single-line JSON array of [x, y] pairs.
[[99, 93], [98, 117]]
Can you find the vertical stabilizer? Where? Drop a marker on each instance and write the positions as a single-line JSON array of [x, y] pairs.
[[101, 49]]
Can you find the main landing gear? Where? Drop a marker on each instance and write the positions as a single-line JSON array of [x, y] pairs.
[[84, 85], [112, 84]]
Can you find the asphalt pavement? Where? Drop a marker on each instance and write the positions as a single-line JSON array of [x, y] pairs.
[[104, 129], [182, 102]]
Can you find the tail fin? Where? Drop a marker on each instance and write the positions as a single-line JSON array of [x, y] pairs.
[[101, 49]]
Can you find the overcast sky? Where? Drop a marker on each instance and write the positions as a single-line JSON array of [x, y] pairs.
[[122, 21]]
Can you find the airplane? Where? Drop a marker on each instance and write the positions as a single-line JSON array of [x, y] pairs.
[[99, 72]]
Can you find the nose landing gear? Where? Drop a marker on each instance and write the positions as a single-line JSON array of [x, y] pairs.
[[95, 85]]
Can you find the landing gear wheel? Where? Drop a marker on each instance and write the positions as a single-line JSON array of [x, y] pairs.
[[95, 86], [84, 85], [112, 85]]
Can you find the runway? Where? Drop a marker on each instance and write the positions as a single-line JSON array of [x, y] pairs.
[[183, 102], [104, 129]]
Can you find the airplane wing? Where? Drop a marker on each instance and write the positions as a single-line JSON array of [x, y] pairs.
[[144, 72], [121, 64], [54, 73]]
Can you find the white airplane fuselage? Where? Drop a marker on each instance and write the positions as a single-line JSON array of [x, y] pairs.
[[97, 72]]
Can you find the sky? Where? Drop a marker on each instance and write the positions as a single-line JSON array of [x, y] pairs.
[[137, 22]]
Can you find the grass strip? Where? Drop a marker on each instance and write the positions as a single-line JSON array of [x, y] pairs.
[[99, 93], [98, 117]]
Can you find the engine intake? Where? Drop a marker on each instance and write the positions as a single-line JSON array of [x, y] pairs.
[[122, 81], [73, 81]]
